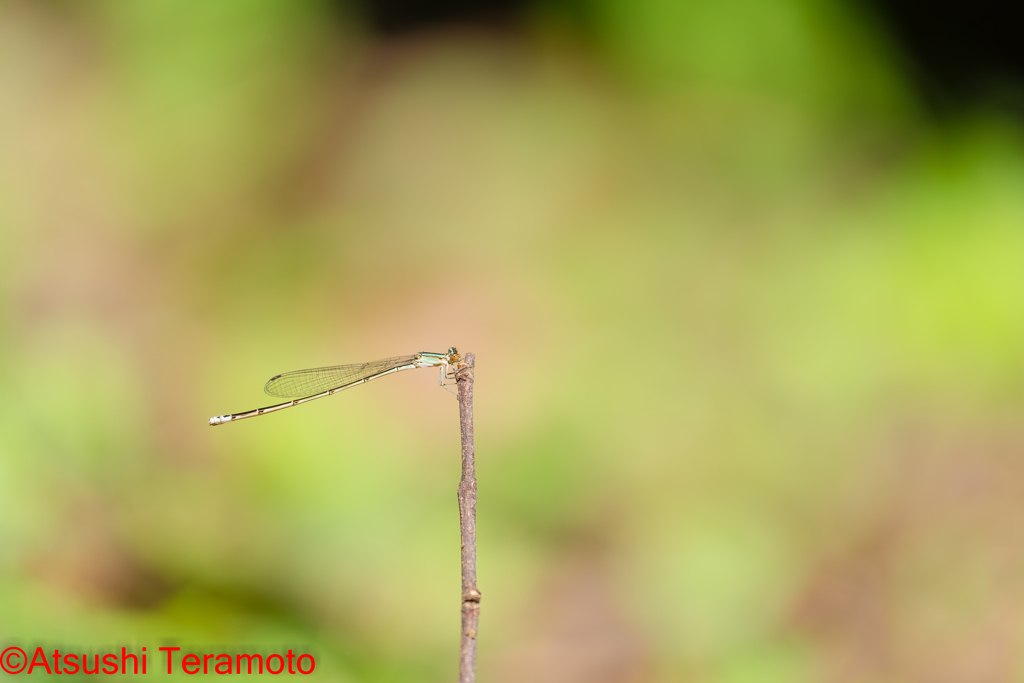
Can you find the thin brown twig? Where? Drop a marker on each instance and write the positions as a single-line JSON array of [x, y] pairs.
[[467, 523]]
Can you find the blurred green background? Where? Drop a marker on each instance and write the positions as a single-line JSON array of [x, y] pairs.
[[748, 323]]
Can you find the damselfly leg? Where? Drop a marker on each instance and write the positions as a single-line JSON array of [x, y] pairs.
[[446, 374]]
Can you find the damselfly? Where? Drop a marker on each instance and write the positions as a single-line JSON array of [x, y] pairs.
[[305, 385]]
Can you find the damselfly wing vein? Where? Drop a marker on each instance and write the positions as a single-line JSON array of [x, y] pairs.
[[302, 383]]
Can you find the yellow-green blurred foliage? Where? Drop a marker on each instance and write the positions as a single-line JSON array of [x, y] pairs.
[[748, 328]]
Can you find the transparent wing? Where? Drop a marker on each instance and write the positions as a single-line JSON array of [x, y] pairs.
[[302, 383]]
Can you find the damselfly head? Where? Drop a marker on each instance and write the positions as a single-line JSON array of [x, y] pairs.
[[453, 355]]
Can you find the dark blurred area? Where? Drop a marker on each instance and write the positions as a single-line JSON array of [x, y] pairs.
[[395, 17], [961, 53], [958, 54]]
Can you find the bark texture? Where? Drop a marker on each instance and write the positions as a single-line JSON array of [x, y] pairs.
[[467, 520]]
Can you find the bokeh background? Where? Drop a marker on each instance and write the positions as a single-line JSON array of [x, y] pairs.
[[744, 281]]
